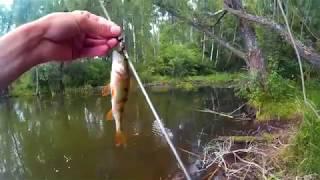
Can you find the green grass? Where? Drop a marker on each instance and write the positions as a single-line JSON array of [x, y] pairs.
[[83, 91], [303, 156], [23, 86], [306, 144], [190, 82], [282, 110]]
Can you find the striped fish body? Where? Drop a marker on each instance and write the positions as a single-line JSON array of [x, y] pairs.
[[119, 89]]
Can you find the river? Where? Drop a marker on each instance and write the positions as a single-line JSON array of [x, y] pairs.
[[66, 137]]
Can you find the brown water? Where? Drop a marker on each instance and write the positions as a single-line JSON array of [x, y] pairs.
[[66, 137]]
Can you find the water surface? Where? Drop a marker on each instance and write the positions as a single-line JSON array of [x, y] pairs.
[[66, 137]]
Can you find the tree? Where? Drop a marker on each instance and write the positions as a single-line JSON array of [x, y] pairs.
[[254, 60]]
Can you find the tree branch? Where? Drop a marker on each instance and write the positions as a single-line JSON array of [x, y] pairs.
[[214, 14], [204, 29], [306, 52], [219, 19]]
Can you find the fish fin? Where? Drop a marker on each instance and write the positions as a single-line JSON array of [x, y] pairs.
[[120, 139], [109, 115], [113, 93], [106, 90]]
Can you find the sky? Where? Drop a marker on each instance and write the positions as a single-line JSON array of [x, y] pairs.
[[6, 2]]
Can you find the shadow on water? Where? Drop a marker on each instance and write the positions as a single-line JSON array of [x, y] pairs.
[[66, 137]]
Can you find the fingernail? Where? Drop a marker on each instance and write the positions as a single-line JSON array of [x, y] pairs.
[[103, 21], [115, 30]]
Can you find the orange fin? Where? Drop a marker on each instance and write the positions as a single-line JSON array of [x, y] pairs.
[[106, 90], [109, 115], [120, 139]]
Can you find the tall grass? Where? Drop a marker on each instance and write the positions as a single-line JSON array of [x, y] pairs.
[[304, 155]]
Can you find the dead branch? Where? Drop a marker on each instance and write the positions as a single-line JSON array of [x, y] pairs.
[[211, 14], [190, 153], [237, 109], [249, 166], [219, 19], [225, 115], [217, 113], [241, 139]]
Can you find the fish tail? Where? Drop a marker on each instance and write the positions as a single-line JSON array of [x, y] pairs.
[[109, 115], [120, 139]]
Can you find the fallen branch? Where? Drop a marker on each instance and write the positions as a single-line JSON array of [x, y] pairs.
[[242, 139], [214, 14], [307, 52], [225, 115], [250, 165], [237, 109], [190, 153], [217, 113]]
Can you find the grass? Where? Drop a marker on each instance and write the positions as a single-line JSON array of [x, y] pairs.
[[305, 151], [23, 86], [220, 79], [83, 91], [302, 157], [306, 146], [271, 110]]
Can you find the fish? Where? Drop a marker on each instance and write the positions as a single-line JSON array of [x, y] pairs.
[[119, 91]]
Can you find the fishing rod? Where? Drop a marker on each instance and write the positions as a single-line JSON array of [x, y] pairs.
[[162, 128]]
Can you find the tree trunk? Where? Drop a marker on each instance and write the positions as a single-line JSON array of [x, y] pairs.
[[255, 60], [191, 34], [217, 53], [211, 52], [203, 46], [37, 82], [61, 85], [134, 44]]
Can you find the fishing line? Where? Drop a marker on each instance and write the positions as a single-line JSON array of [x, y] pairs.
[[299, 60], [162, 128], [295, 49]]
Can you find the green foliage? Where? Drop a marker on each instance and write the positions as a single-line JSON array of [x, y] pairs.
[[85, 90], [23, 86], [313, 94], [93, 72], [270, 97], [303, 157], [179, 60], [193, 82], [276, 89], [90, 72]]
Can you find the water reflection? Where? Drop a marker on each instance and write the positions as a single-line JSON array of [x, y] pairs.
[[66, 137]]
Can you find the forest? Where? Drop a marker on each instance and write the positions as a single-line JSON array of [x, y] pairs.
[[266, 51]]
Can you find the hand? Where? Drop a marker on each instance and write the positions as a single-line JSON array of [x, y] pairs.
[[57, 36], [74, 35]]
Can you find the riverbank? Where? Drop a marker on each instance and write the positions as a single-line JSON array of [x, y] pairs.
[[218, 79], [281, 143], [260, 151]]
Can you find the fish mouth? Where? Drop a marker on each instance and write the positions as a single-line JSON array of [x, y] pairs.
[[120, 38]]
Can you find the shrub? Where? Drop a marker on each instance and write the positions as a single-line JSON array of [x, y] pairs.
[[275, 99], [179, 60]]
